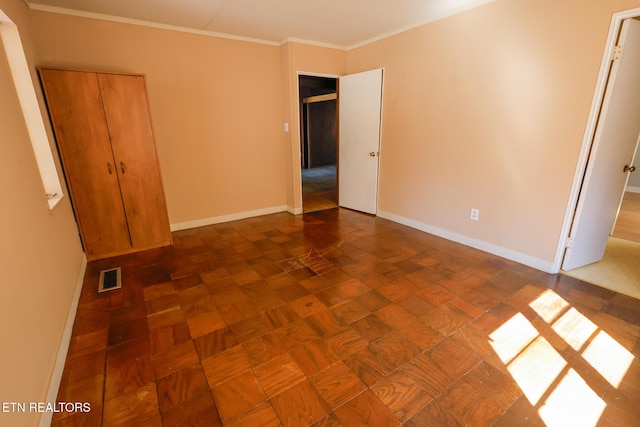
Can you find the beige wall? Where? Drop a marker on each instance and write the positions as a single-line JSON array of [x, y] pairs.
[[216, 106], [40, 254], [487, 109]]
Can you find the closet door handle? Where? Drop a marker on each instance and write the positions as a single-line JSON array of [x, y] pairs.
[[122, 168], [629, 169], [109, 168]]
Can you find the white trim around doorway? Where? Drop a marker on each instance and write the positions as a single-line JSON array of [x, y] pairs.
[[598, 97]]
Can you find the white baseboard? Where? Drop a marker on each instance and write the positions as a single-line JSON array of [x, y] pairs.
[[631, 189], [61, 358], [538, 264], [226, 218], [294, 211]]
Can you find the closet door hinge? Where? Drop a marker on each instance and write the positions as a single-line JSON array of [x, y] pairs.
[[617, 51], [568, 242]]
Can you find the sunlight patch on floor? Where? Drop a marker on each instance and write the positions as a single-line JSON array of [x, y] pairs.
[[608, 357], [549, 305], [548, 381], [513, 337], [536, 368], [572, 403], [574, 328]]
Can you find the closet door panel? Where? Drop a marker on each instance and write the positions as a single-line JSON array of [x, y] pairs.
[[77, 115], [129, 123]]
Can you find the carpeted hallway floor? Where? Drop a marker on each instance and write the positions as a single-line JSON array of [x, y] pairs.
[[619, 270]]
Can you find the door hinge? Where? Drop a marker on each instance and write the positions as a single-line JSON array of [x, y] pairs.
[[568, 242], [617, 51]]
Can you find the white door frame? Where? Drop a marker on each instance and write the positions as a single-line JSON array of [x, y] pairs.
[[297, 169], [598, 97]]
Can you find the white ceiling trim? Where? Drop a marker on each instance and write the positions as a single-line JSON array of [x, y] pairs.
[[434, 18], [312, 43], [119, 19]]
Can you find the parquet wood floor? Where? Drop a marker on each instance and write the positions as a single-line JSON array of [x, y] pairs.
[[338, 318], [313, 202]]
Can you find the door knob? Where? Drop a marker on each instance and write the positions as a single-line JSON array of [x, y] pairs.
[[373, 153], [628, 168]]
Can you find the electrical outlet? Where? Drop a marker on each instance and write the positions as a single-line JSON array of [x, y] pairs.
[[475, 214]]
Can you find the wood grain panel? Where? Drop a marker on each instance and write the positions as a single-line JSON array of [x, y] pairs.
[[75, 106], [300, 405], [337, 384], [279, 374], [402, 395], [127, 113], [366, 410]]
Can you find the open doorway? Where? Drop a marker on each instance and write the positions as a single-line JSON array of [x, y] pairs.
[[619, 268], [598, 249], [318, 142]]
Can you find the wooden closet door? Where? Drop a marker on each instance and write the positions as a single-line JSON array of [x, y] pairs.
[[77, 115], [127, 113]]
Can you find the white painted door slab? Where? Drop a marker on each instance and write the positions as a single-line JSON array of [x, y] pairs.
[[360, 105], [614, 145]]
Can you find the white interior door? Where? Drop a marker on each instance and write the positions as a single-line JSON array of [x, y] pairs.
[[360, 106], [613, 147]]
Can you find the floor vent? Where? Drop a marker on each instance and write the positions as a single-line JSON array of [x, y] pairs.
[[110, 280]]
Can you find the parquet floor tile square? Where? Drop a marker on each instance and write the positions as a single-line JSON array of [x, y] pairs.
[[296, 334], [238, 395], [395, 349], [307, 305], [366, 410], [395, 316], [454, 358], [280, 316], [402, 395], [371, 327], [226, 365], [180, 387], [337, 384], [174, 359], [128, 376], [468, 405], [368, 366], [324, 323], [81, 345], [137, 406], [350, 311], [433, 415], [313, 357], [200, 411], [336, 318], [261, 415], [263, 349], [205, 323], [345, 342], [279, 374], [300, 405]]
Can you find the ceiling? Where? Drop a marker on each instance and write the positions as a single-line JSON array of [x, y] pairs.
[[340, 23]]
